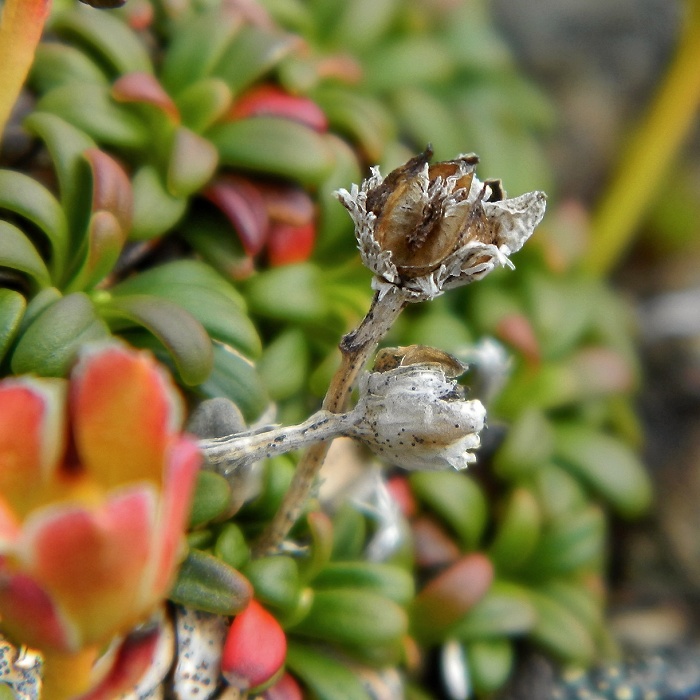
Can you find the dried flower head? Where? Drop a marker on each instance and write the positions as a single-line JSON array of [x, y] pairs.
[[427, 228], [412, 412]]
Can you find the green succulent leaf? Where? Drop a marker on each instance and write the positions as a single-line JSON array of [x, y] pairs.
[[289, 293], [506, 609], [274, 146], [252, 53], [321, 547], [211, 236], [574, 541], [284, 364], [584, 601], [607, 465], [360, 25], [408, 61], [203, 103], [558, 492], [12, 306], [207, 583], [456, 499], [518, 530], [25, 196], [387, 580], [196, 46], [335, 226], [349, 533], [57, 64], [560, 310], [17, 252], [490, 663], [528, 445], [203, 293], [67, 144], [155, 209], [277, 476], [184, 273], [106, 36], [90, 108], [354, 617], [234, 377], [182, 335], [105, 240], [49, 345], [37, 304], [560, 632], [212, 497], [276, 581], [231, 546], [362, 117], [192, 163], [428, 119], [328, 678]]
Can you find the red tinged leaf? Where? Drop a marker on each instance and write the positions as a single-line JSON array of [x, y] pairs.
[[255, 648], [450, 595], [290, 244], [401, 493], [432, 545], [111, 187], [286, 688], [145, 88], [287, 203], [517, 331], [272, 101], [244, 206], [135, 657]]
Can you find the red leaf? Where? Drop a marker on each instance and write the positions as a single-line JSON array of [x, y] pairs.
[[142, 87], [255, 648], [290, 244], [243, 205], [270, 100]]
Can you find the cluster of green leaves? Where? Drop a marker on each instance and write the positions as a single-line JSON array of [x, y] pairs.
[[136, 115], [342, 614]]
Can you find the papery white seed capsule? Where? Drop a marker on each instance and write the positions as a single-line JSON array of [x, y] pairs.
[[415, 417]]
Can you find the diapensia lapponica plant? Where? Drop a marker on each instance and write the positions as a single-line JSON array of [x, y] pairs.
[[159, 119], [422, 230]]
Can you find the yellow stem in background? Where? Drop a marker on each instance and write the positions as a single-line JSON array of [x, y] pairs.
[[68, 676], [650, 152], [21, 25]]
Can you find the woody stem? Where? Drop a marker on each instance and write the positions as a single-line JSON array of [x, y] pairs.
[[355, 347]]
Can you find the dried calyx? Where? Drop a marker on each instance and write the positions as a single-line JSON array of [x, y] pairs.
[[427, 228], [412, 412]]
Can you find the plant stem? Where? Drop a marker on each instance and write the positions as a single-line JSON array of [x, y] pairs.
[[650, 152], [232, 452], [356, 347]]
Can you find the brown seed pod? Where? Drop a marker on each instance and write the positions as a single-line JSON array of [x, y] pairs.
[[421, 220]]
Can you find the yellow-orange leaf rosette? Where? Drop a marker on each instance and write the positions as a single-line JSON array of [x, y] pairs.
[[96, 482]]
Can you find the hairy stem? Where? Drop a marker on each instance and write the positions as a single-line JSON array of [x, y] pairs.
[[234, 451], [356, 347]]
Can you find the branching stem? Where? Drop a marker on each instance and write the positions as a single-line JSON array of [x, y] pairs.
[[356, 347]]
